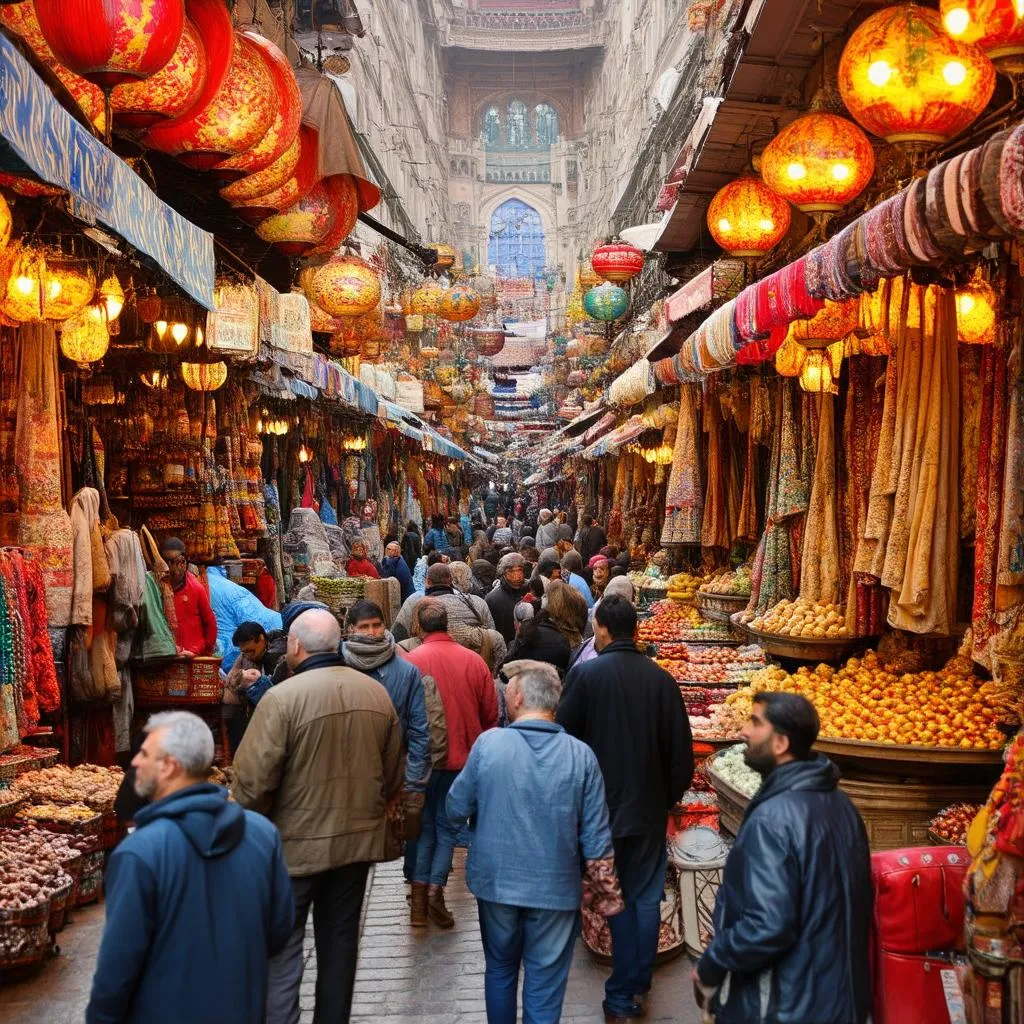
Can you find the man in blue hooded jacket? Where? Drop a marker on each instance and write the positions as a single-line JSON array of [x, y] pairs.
[[198, 897]]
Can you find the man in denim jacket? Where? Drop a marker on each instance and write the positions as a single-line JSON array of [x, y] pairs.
[[535, 798]]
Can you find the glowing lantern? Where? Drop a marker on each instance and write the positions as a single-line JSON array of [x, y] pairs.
[[976, 313], [320, 322], [344, 286], [820, 370], [446, 256], [111, 294], [323, 219], [204, 376], [41, 287], [587, 277], [819, 163], [157, 380], [172, 92], [617, 261], [606, 302], [85, 338], [288, 115], [5, 223], [252, 186], [305, 175], [109, 43], [833, 322], [427, 299], [997, 26], [789, 358], [459, 304], [903, 78], [747, 218], [237, 116]]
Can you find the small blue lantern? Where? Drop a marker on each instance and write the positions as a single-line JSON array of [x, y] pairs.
[[606, 302]]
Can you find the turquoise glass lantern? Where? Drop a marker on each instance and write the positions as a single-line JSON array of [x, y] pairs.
[[606, 302]]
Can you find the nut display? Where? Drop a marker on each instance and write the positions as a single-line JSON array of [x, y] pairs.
[[69, 814], [87, 784], [806, 620], [735, 583], [952, 823]]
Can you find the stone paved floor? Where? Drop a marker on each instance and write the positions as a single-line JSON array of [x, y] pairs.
[[428, 976]]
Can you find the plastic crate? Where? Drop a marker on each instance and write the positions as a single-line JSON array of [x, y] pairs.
[[178, 681]]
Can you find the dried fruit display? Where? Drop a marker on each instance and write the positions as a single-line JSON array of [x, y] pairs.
[[806, 620], [69, 814], [87, 784], [735, 583], [952, 823]]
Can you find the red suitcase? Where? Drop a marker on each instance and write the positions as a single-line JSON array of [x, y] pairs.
[[912, 989], [919, 898]]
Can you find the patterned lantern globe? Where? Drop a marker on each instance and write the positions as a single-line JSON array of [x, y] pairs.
[[746, 218], [976, 313], [344, 197], [903, 78], [288, 115], [459, 304], [617, 261], [833, 322], [427, 299], [85, 338], [324, 218], [819, 163], [322, 323], [997, 26], [204, 376], [47, 287], [238, 115], [172, 92], [344, 286], [606, 302], [110, 43], [298, 185]]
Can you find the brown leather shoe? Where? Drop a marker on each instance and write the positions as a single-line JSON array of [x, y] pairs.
[[439, 913], [418, 905], [621, 1018]]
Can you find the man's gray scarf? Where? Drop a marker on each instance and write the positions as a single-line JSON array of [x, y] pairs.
[[364, 653]]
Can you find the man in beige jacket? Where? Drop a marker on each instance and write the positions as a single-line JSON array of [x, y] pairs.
[[321, 759]]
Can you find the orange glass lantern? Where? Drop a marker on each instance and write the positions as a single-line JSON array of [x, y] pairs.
[[85, 338], [172, 92], [288, 115], [459, 304], [617, 261], [446, 256], [41, 286], [427, 299], [297, 186], [344, 286], [204, 376], [746, 218], [819, 163], [976, 313], [903, 78], [820, 370], [833, 322], [110, 43], [997, 26], [238, 116]]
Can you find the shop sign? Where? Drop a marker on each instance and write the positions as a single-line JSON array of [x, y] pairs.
[[64, 153]]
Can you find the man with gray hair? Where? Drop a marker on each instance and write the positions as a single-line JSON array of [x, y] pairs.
[[534, 797], [322, 758], [198, 896]]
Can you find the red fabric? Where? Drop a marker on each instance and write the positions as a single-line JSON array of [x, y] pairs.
[[361, 567], [197, 627], [46, 685], [466, 688], [266, 589]]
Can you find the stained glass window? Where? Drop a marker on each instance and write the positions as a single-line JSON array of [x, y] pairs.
[[517, 131], [547, 124], [492, 127], [516, 242]]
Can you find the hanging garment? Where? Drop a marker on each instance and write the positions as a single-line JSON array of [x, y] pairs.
[[820, 578]]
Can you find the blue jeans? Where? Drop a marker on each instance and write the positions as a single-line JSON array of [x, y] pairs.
[[542, 941], [436, 844], [640, 862]]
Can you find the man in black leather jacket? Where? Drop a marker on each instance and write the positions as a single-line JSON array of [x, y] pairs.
[[793, 914]]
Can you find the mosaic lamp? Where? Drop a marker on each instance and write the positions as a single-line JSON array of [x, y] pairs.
[[344, 286], [606, 302], [976, 313], [747, 219]]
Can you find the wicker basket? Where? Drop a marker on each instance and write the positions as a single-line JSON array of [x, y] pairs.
[[59, 906], [721, 607], [9, 808], [38, 913], [732, 804], [178, 681], [12, 765], [26, 945]]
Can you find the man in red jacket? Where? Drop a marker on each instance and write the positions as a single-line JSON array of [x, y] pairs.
[[197, 626], [470, 702]]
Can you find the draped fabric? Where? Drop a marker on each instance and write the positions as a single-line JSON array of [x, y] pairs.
[[970, 434], [820, 576], [684, 502]]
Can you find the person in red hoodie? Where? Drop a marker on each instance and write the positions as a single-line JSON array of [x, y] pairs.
[[197, 626], [359, 564], [470, 701]]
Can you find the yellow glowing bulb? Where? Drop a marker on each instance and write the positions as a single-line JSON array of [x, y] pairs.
[[24, 285], [259, 426], [965, 303], [161, 328], [765, 224], [796, 171], [53, 288], [200, 337], [879, 73], [954, 73], [840, 172], [179, 332], [724, 225], [1018, 6], [957, 21]]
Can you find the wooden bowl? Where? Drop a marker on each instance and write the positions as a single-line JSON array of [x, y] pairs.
[[910, 761], [803, 649]]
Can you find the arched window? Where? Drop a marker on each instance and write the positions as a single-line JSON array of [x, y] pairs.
[[516, 242], [547, 124], [517, 131], [492, 127]]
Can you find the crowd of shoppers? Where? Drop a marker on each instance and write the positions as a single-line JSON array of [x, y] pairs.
[[350, 746]]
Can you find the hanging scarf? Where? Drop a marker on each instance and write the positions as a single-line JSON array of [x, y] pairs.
[[365, 653]]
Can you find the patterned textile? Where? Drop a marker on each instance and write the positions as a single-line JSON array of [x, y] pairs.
[[939, 225], [1011, 180], [886, 244], [970, 435], [684, 500], [922, 246], [1010, 566], [991, 160], [820, 575]]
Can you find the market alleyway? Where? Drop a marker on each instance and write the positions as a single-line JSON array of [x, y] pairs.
[[433, 977]]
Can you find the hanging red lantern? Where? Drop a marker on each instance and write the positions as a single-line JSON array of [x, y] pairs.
[[237, 117], [617, 261], [288, 116], [997, 26], [747, 218], [296, 188], [110, 43], [173, 91], [345, 204], [344, 286], [252, 186], [322, 220]]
